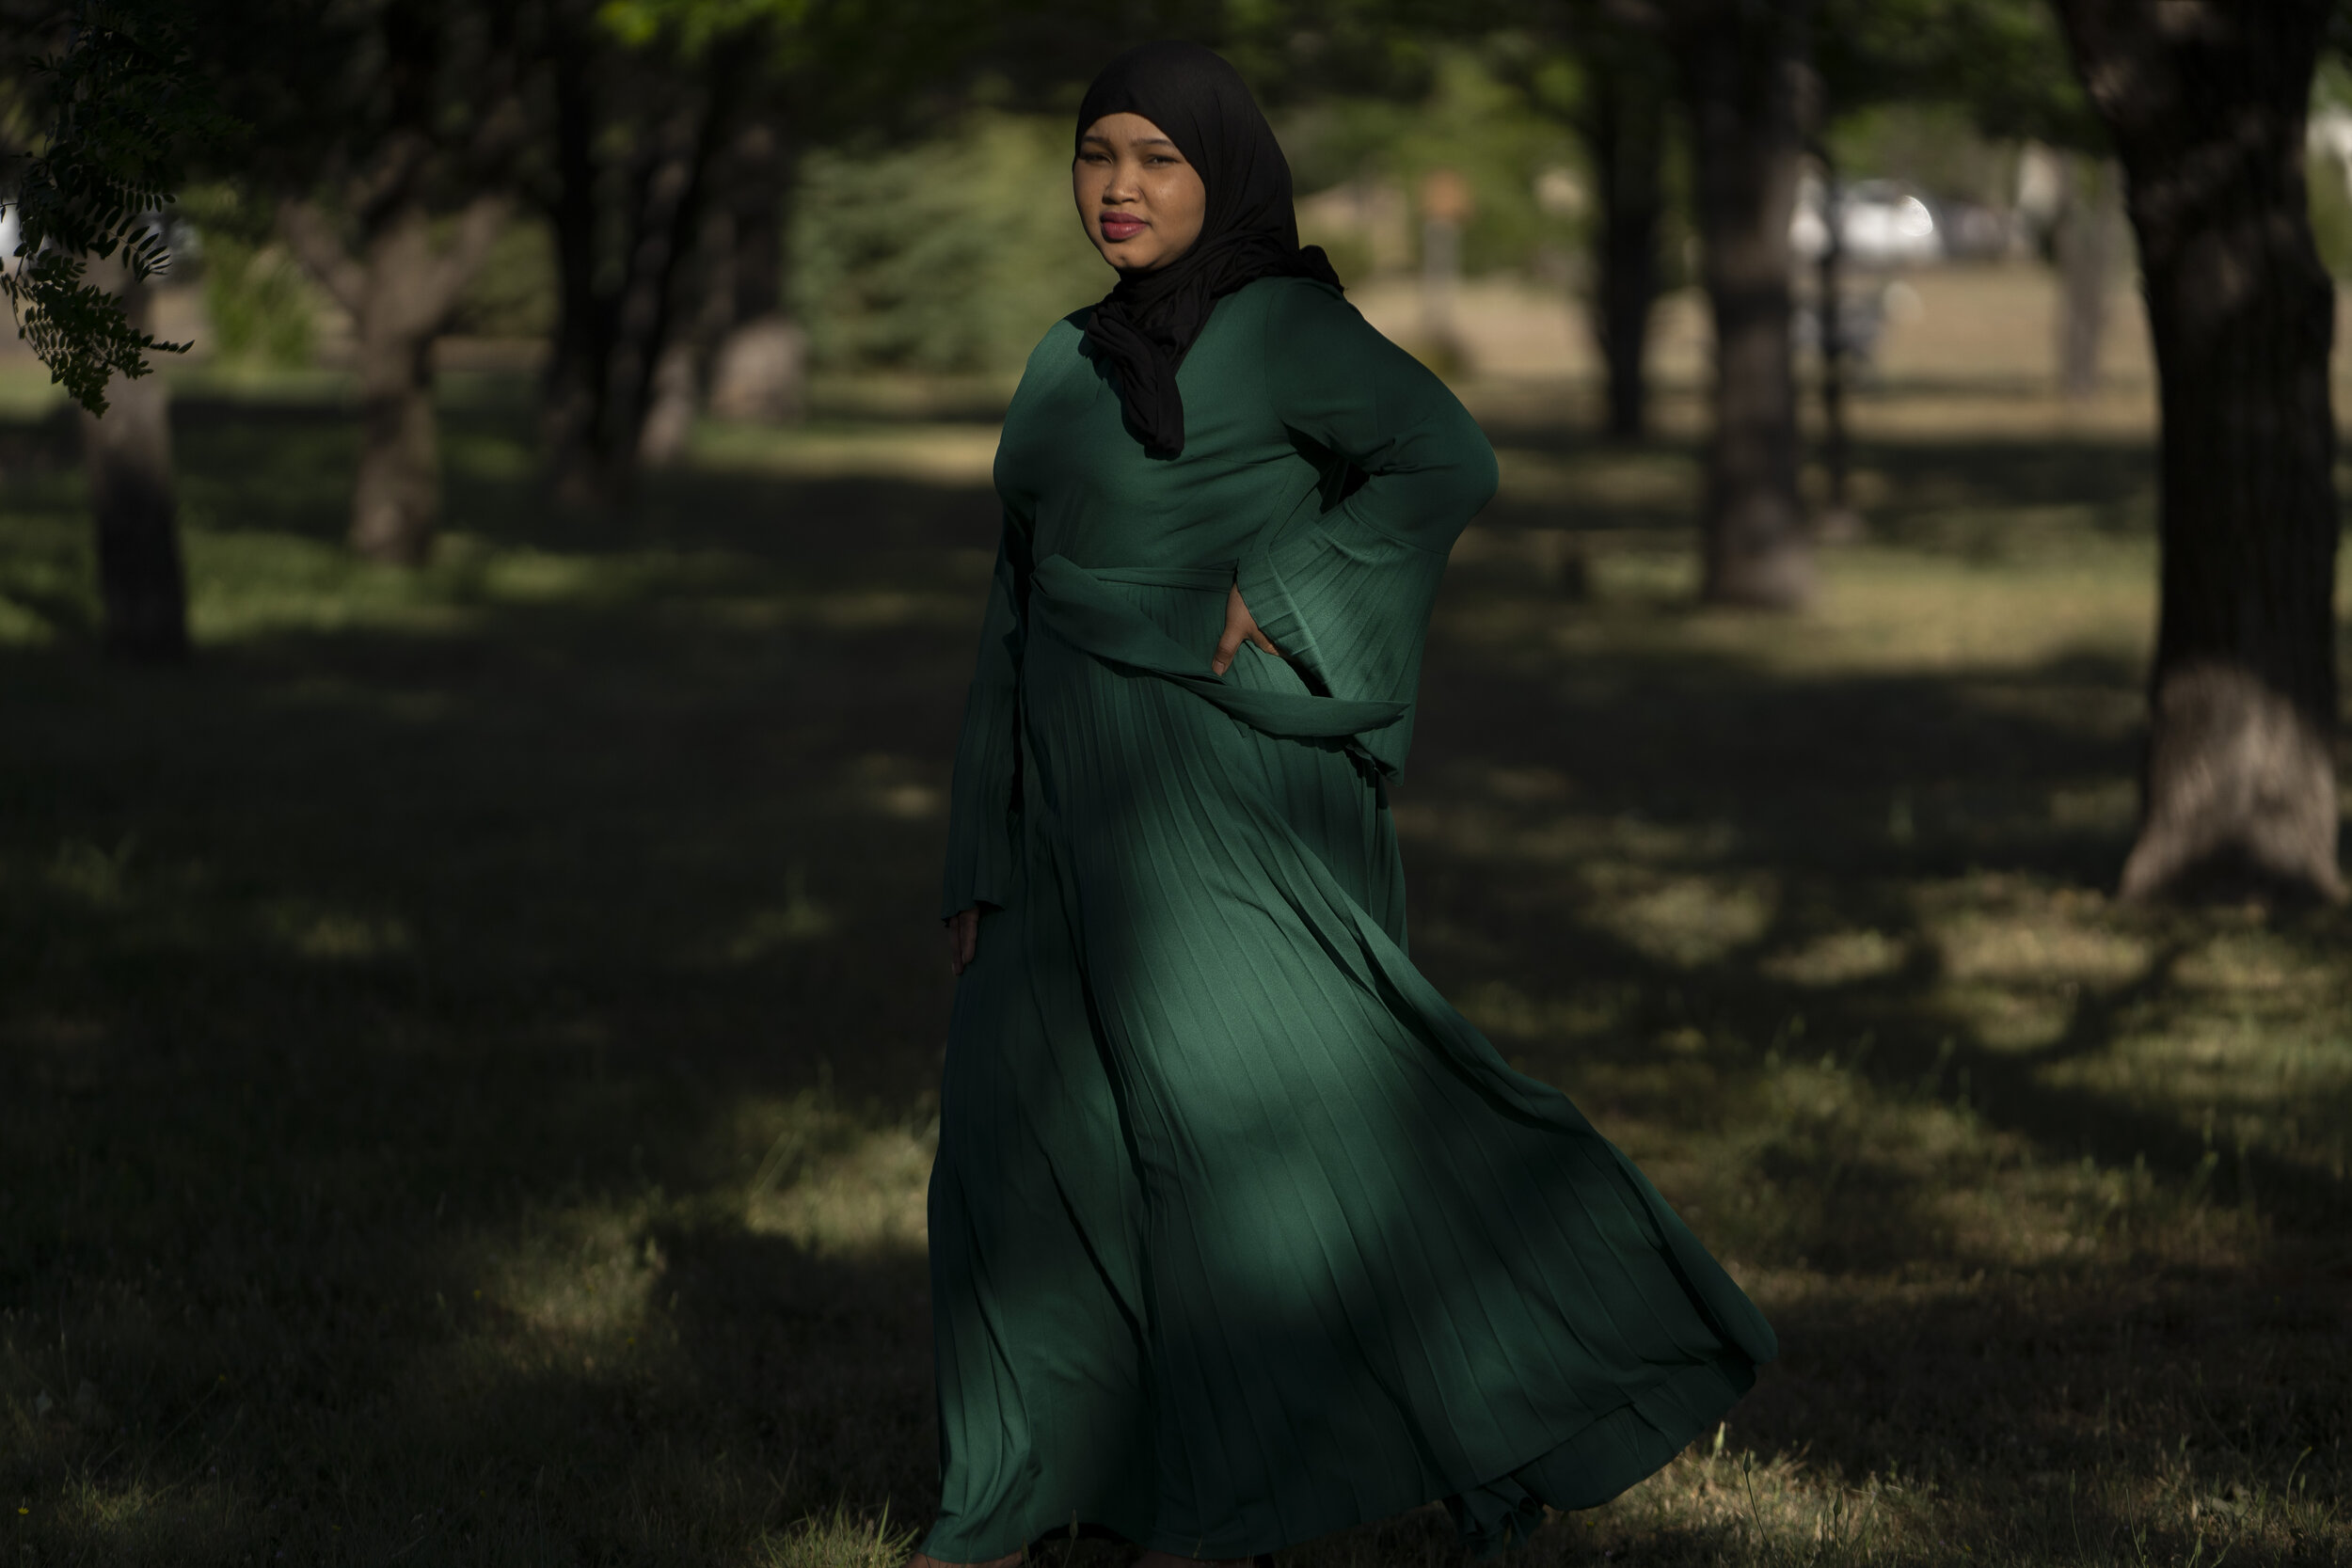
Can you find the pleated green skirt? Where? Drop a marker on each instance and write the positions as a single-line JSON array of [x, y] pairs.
[[1239, 1233]]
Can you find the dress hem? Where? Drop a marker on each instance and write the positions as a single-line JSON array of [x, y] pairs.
[[1607, 1456]]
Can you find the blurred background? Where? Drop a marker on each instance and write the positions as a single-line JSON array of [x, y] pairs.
[[475, 727]]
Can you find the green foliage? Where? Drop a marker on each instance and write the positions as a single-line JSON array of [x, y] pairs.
[[2326, 172], [2332, 215], [259, 303], [513, 295], [260, 306], [2003, 59], [696, 24], [954, 254], [1935, 146], [127, 101], [1473, 122]]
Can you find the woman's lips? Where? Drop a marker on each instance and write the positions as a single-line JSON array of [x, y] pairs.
[[1119, 225]]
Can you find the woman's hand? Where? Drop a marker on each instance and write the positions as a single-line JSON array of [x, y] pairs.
[[963, 939], [1240, 627]]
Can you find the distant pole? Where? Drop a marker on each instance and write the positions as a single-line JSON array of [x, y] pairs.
[[1839, 520], [2085, 247], [1445, 207]]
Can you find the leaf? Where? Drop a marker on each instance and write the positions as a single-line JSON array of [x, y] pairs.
[[128, 101]]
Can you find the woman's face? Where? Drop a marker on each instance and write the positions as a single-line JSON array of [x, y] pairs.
[[1141, 202]]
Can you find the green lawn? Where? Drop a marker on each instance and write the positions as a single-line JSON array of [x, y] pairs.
[[469, 1040]]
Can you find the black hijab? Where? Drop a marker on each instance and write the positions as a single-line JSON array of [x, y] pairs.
[[1146, 324]]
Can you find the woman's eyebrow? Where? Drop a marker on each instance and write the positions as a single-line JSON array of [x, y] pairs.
[[1139, 141]]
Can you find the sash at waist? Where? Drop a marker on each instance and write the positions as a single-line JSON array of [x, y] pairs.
[[1072, 602], [1203, 579]]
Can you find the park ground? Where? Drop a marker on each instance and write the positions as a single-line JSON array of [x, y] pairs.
[[467, 1042]]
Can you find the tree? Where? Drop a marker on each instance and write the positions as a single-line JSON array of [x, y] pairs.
[[670, 238], [1628, 92], [2206, 101], [402, 189], [126, 452], [1745, 70], [745, 344], [626, 212], [127, 102]]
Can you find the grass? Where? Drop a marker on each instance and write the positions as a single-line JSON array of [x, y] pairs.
[[469, 1040]]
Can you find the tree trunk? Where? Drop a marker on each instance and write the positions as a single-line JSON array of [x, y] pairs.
[[400, 291], [667, 211], [574, 408], [396, 505], [142, 586], [1744, 72], [2206, 104], [758, 370], [1839, 523], [612, 341], [2084, 242], [1625, 136]]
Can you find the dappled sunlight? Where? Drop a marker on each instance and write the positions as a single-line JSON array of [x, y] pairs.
[[1999, 932], [475, 1035], [1900, 615], [1512, 814], [1687, 921], [839, 1540], [581, 1278], [333, 935], [763, 932], [894, 786], [1868, 1178], [87, 875], [1841, 957], [1508, 1015], [2014, 1020], [929, 453], [2263, 969], [131, 1519], [2246, 1091], [868, 1197], [833, 1183], [21, 625]]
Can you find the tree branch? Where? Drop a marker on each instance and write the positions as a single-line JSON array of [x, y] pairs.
[[312, 240], [477, 228]]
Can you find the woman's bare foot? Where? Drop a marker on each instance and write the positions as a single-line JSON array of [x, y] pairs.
[[1010, 1560]]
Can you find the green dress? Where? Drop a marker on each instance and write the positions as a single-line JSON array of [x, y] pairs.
[[1239, 1233]]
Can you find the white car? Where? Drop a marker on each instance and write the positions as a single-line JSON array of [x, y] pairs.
[[1880, 223]]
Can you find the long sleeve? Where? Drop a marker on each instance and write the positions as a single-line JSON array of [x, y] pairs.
[[987, 793], [1346, 590]]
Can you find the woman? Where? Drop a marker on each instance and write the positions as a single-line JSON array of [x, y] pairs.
[[1239, 1233]]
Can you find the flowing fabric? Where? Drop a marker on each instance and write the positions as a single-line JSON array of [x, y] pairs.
[[1239, 1233], [1148, 322]]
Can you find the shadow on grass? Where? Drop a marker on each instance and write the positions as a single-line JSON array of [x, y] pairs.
[[465, 1070], [1862, 801]]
